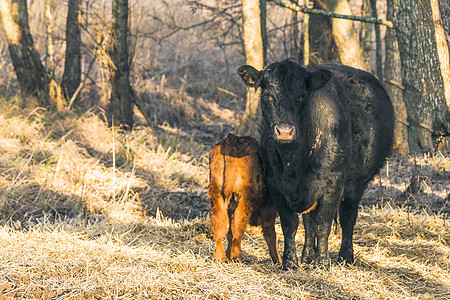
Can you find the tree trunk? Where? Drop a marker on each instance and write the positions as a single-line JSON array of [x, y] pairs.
[[26, 61], [379, 55], [296, 37], [306, 36], [263, 12], [393, 78], [72, 66], [121, 91], [365, 32], [54, 89], [323, 48], [254, 57], [441, 23], [424, 93], [345, 37]]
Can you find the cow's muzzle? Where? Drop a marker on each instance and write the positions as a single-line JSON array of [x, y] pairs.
[[284, 133]]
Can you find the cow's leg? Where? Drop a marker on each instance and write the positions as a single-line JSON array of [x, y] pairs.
[[238, 224], [348, 211], [309, 248], [219, 226], [322, 232], [267, 219], [289, 224], [323, 220]]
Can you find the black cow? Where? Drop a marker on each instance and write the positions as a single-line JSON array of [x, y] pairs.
[[326, 131]]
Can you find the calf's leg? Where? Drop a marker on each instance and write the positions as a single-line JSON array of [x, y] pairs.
[[238, 225], [219, 226]]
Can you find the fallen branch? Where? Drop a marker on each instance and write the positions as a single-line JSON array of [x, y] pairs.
[[330, 14], [140, 106], [395, 83], [227, 92], [81, 85], [421, 125]]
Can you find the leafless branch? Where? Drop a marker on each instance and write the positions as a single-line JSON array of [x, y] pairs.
[[330, 14]]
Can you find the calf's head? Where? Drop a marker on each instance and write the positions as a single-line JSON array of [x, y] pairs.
[[285, 88]]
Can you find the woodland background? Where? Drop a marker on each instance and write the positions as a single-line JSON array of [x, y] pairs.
[[108, 111]]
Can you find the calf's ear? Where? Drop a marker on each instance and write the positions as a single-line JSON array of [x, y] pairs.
[[317, 78], [250, 75]]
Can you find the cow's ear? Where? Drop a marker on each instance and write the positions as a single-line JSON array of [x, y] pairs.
[[250, 75], [317, 78]]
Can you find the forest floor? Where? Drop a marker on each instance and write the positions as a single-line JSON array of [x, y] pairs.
[[90, 212]]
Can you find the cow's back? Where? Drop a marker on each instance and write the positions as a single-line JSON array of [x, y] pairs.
[[372, 120]]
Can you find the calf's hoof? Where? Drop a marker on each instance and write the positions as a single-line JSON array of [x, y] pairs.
[[219, 256], [235, 260]]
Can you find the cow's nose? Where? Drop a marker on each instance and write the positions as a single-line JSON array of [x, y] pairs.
[[284, 132]]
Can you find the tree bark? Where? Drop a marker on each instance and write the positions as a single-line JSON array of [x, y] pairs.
[[263, 12], [295, 36], [365, 32], [345, 37], [306, 36], [379, 55], [26, 61], [393, 78], [442, 41], [72, 65], [121, 90], [323, 48], [254, 57], [54, 89], [424, 92]]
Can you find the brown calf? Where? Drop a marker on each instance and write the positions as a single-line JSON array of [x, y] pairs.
[[238, 195]]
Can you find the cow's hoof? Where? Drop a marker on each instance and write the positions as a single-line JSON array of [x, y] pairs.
[[289, 265], [346, 257]]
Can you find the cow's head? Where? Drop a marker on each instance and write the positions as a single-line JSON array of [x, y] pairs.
[[285, 87]]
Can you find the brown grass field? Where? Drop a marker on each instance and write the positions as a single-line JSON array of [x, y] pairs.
[[92, 212]]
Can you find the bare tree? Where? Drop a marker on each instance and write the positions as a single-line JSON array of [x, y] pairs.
[[72, 66], [253, 56], [263, 11], [121, 90], [323, 48], [345, 37], [54, 89], [425, 71], [365, 32], [27, 64], [393, 78], [306, 48]]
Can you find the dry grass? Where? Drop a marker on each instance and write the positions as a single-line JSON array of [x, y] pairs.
[[90, 212], [83, 208], [157, 258]]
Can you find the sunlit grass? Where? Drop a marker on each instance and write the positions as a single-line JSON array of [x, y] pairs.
[[92, 211]]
